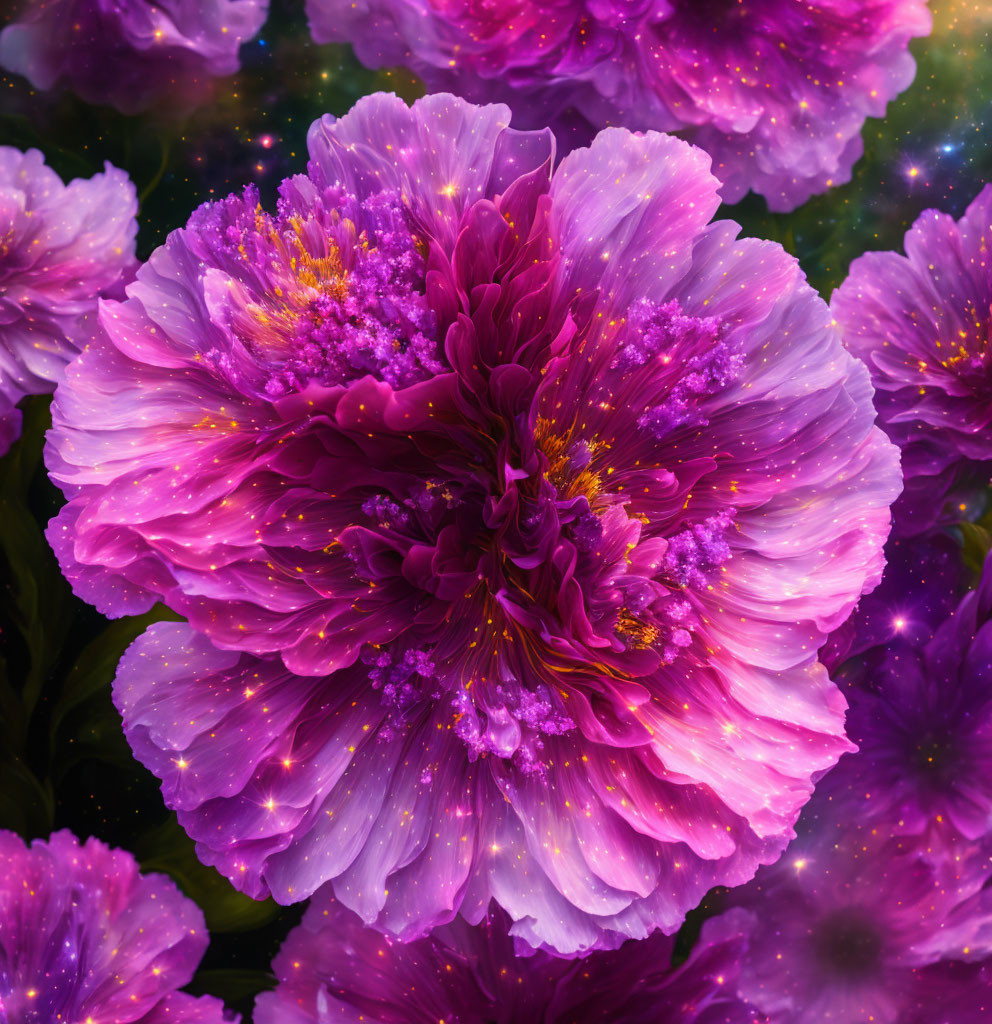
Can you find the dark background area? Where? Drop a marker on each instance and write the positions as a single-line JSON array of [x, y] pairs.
[[64, 762]]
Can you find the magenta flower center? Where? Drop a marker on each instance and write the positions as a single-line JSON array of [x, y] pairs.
[[531, 557], [938, 758], [848, 944], [508, 547], [968, 355]]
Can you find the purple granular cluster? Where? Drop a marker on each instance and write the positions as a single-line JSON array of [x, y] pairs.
[[400, 680], [384, 510], [654, 329], [515, 728], [702, 361], [504, 506], [332, 290], [694, 552]]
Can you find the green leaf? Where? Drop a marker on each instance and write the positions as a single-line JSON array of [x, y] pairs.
[[35, 595], [168, 849], [231, 984], [27, 805], [94, 732], [96, 666], [977, 541]]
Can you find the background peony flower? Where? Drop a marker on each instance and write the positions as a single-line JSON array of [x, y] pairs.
[[331, 966], [921, 322], [508, 509], [84, 937], [130, 53], [775, 91], [61, 247], [922, 720], [851, 927]]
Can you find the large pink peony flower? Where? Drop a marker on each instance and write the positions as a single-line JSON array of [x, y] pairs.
[[130, 53], [508, 506], [61, 248], [922, 323], [85, 938], [775, 90]]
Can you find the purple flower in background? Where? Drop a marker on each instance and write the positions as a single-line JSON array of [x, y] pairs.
[[508, 508], [61, 248], [130, 53], [850, 927], [921, 322], [775, 90], [922, 720], [331, 968], [84, 937]]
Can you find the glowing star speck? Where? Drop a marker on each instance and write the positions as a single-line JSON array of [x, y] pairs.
[[921, 322], [775, 90], [851, 927], [331, 968], [84, 937], [508, 505], [131, 53], [61, 248]]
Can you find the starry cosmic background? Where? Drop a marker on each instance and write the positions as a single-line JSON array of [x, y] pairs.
[[64, 761]]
